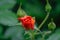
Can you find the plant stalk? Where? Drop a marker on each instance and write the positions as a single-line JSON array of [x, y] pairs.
[[44, 20]]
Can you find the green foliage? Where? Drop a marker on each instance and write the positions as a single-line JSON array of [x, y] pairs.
[[11, 29]]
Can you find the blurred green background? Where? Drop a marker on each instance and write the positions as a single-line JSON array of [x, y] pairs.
[[34, 8], [37, 8]]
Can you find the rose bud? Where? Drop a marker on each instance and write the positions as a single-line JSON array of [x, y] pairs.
[[27, 22]]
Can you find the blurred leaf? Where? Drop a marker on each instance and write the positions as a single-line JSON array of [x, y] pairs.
[[8, 18], [55, 36], [16, 33], [6, 4]]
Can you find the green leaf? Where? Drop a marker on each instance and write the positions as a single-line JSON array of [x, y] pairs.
[[8, 18], [6, 4], [16, 33], [55, 36]]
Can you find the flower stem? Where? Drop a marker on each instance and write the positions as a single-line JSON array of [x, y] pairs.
[[43, 37], [44, 20], [32, 35]]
